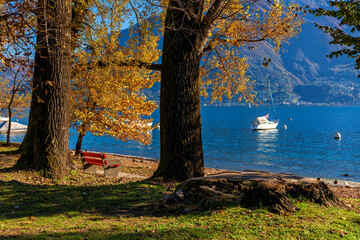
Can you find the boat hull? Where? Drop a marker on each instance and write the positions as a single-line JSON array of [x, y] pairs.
[[264, 126], [15, 127], [13, 131]]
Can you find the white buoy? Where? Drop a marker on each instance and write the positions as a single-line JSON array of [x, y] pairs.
[[337, 135], [284, 127]]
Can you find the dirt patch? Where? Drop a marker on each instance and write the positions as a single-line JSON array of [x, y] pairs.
[[133, 169]]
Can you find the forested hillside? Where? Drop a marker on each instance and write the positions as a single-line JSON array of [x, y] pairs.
[[299, 72]]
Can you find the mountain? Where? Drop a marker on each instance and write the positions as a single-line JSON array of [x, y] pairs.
[[302, 74]]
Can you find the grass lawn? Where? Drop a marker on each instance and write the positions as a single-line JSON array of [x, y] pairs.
[[36, 208]]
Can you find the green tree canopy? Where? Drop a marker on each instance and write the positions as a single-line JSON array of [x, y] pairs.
[[348, 13]]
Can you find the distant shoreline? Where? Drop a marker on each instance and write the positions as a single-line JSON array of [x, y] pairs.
[[278, 105]]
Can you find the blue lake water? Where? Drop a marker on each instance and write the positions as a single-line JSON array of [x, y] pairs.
[[307, 147]]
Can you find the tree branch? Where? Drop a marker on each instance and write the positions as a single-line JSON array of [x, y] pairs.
[[214, 11], [137, 63]]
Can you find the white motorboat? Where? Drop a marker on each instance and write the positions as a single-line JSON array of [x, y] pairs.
[[15, 126], [263, 123]]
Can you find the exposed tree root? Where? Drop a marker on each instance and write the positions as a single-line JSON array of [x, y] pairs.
[[250, 190]]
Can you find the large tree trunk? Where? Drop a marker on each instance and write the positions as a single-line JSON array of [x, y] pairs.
[[46, 142], [181, 154]]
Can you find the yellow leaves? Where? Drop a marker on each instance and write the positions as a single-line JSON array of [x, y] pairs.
[[111, 101], [14, 87], [228, 76], [50, 83], [239, 25], [276, 3], [243, 23], [39, 100]]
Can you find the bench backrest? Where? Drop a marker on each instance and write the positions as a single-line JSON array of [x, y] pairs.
[[94, 158]]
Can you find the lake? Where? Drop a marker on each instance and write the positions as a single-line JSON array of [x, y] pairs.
[[307, 147]]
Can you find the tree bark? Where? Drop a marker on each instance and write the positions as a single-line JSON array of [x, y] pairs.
[[10, 116], [9, 125], [275, 192], [79, 143], [46, 142], [181, 153]]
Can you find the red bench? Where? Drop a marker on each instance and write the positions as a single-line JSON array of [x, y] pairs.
[[91, 161]]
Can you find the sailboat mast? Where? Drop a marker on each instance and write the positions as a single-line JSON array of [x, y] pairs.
[[272, 100], [267, 94]]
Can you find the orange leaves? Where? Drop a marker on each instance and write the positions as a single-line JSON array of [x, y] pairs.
[[228, 76], [17, 23], [110, 104], [39, 100], [242, 24], [110, 99]]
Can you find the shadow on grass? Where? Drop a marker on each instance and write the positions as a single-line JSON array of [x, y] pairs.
[[179, 233], [356, 220], [12, 152], [9, 170], [23, 200], [15, 168], [6, 147]]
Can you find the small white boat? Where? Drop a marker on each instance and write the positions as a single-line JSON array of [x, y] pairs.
[[263, 123], [15, 126]]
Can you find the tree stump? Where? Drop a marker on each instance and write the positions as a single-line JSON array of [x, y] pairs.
[[251, 189]]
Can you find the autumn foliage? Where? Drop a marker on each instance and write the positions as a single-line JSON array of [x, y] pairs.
[[108, 83], [203, 42], [17, 23], [234, 26]]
